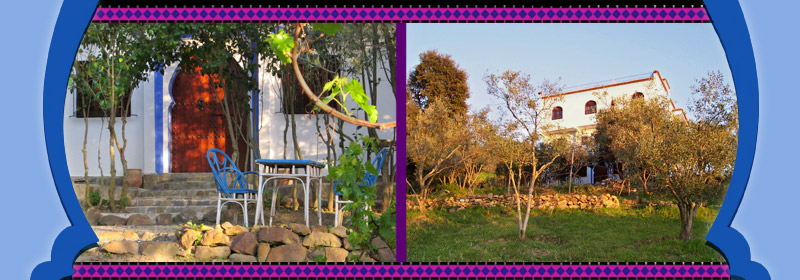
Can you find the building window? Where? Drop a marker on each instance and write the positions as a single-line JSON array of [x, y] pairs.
[[294, 100], [591, 107], [638, 95], [558, 113]]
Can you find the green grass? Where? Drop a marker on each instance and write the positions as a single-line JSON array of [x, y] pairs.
[[491, 234]]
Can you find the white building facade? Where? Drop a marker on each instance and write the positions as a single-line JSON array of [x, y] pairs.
[[574, 111]]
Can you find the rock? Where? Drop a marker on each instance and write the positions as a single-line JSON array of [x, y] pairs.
[[93, 216], [346, 244], [226, 225], [336, 255], [164, 219], [277, 235], [130, 235], [386, 255], [204, 228], [339, 231], [112, 220], [315, 256], [288, 253], [321, 239], [161, 251], [245, 243], [300, 229], [256, 228], [189, 238], [235, 230], [184, 217], [205, 253], [379, 243], [262, 252], [121, 247], [139, 220], [215, 237], [241, 258], [319, 228], [109, 236], [147, 236]]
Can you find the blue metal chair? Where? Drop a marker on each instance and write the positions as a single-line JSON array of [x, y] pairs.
[[232, 186], [369, 180]]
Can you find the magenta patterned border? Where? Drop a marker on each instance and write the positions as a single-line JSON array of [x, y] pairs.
[[719, 271], [406, 14]]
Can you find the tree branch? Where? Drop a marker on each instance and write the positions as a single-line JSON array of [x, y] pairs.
[[318, 102]]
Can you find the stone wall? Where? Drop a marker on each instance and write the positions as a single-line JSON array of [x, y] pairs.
[[545, 201], [227, 242]]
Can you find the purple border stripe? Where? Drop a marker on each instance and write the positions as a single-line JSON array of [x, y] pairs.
[[403, 14], [401, 270]]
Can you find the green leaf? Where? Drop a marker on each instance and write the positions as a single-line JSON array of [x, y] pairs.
[[371, 169], [329, 29], [372, 112], [283, 44]]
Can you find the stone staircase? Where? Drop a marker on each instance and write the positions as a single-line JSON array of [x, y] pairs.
[[169, 199]]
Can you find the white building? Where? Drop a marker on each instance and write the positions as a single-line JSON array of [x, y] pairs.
[[574, 113], [152, 138]]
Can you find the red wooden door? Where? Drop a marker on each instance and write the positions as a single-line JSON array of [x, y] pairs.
[[197, 121]]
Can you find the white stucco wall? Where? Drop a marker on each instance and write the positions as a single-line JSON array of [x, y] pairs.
[[135, 133], [573, 102]]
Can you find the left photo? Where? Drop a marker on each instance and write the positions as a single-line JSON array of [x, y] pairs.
[[235, 142]]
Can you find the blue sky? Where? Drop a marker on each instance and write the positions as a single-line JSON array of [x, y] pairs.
[[578, 53]]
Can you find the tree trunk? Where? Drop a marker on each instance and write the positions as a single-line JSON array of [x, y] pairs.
[[123, 196], [688, 213], [89, 190], [112, 138]]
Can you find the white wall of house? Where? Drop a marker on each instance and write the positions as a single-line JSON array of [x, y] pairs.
[[143, 127], [573, 103], [98, 135]]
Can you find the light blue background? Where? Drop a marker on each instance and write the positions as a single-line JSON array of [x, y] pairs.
[[32, 215], [30, 210]]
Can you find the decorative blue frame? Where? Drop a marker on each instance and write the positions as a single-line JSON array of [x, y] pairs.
[[734, 36], [75, 15]]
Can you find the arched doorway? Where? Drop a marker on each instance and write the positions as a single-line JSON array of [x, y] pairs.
[[197, 123]]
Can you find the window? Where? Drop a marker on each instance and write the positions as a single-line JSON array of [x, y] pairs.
[[316, 77], [558, 113], [83, 100], [638, 95], [591, 107]]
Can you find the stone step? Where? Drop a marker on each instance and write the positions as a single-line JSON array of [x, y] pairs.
[[189, 184], [174, 177], [179, 193], [175, 201], [169, 209]]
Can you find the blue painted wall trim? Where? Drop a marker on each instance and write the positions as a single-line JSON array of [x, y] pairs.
[[73, 18], [168, 159], [734, 36], [255, 108], [158, 103]]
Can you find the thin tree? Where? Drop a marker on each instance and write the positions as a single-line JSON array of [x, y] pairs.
[[528, 107]]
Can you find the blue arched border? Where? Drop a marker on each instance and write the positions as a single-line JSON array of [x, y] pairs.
[[734, 36], [73, 18], [75, 15]]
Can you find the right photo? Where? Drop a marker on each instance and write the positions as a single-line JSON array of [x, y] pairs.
[[566, 142]]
